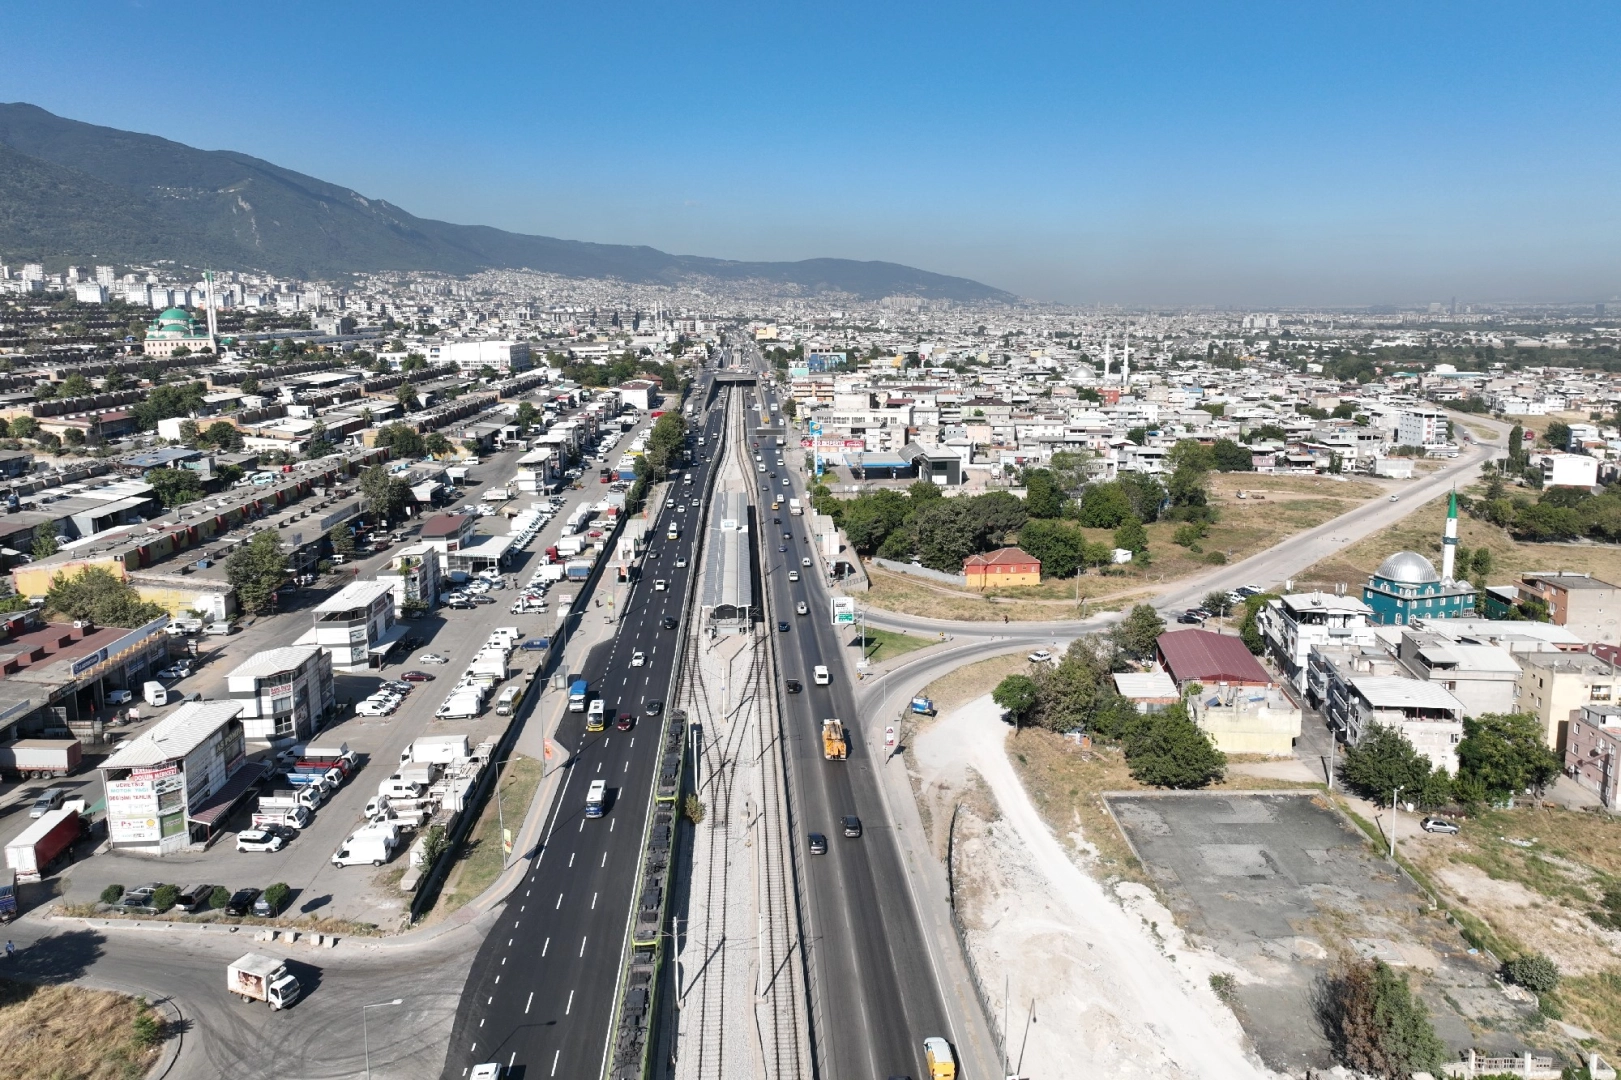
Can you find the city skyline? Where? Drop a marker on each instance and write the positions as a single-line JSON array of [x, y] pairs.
[[1168, 157]]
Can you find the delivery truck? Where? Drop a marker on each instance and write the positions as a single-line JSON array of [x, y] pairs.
[[578, 691], [294, 817], [289, 799], [577, 569], [795, 508], [37, 847], [155, 694], [316, 752], [35, 759], [436, 749], [255, 977]]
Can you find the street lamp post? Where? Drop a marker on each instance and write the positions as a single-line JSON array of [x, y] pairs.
[[1393, 795], [365, 1035]]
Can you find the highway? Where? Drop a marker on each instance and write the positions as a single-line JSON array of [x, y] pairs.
[[540, 992], [874, 985]]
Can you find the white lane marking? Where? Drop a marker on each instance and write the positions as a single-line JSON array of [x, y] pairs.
[[633, 742], [503, 964], [528, 1003], [559, 902], [593, 908], [582, 946], [599, 766], [481, 1022], [604, 858], [570, 1006], [544, 946], [512, 1059], [571, 858], [582, 825], [555, 1056], [610, 825]]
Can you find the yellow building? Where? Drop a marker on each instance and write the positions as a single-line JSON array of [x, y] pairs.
[[1555, 685], [1003, 568]]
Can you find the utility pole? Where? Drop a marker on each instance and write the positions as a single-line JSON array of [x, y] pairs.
[[1393, 795]]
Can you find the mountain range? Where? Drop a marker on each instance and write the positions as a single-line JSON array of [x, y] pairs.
[[83, 193]]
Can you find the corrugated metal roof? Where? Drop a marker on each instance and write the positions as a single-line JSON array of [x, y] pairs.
[[1207, 657], [271, 661], [1151, 684], [176, 736]]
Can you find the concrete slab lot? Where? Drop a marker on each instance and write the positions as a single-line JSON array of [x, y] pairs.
[[1281, 885]]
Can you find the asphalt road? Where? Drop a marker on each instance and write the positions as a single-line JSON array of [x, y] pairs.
[[540, 994], [875, 986]]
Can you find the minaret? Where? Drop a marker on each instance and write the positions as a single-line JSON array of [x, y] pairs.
[[213, 325], [1125, 364], [1449, 542], [1108, 353]]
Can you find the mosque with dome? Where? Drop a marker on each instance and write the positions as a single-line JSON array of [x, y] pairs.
[[1406, 586], [173, 330]]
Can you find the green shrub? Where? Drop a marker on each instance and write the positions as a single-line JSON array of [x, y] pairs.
[[112, 894], [148, 1026], [1215, 558], [219, 897], [1375, 1024], [1534, 972], [1224, 986], [277, 896], [164, 898], [693, 809]]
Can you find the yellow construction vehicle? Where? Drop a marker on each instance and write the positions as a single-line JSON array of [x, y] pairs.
[[833, 747]]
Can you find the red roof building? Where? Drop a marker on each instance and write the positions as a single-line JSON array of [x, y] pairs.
[[1210, 659], [1002, 567]]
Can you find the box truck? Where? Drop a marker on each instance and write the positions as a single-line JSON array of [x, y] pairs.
[[290, 799], [155, 694], [43, 842], [255, 977], [35, 759], [578, 689]]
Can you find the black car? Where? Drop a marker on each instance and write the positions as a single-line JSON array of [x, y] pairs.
[[782, 627], [852, 826], [669, 622], [776, 521], [1193, 620], [818, 844], [654, 707], [287, 833], [241, 902], [794, 686]]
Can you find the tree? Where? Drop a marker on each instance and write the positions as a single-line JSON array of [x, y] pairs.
[[387, 497], [868, 519], [97, 594], [1217, 603], [1167, 749], [73, 436], [1504, 754], [437, 444], [1557, 434], [257, 571], [1138, 632], [45, 544], [1248, 629], [223, 434], [1073, 693], [1144, 493], [249, 384], [1105, 506], [1043, 498], [1060, 546], [1228, 456], [401, 440], [169, 400], [664, 444], [188, 432], [76, 385], [997, 514], [1374, 1023], [406, 395], [175, 487], [526, 416], [1533, 971], [24, 427], [343, 541], [319, 445], [1383, 761], [1017, 694], [1131, 536], [944, 534], [1069, 469], [1516, 442]]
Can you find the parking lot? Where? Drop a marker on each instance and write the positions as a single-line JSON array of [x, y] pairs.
[[358, 894], [1280, 885]]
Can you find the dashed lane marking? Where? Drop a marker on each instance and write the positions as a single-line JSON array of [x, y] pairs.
[[544, 946], [570, 1006], [528, 1003]]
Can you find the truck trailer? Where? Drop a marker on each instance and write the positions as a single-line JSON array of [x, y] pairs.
[[43, 842], [35, 759]]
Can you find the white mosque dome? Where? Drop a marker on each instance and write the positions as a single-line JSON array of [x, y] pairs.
[[1408, 568]]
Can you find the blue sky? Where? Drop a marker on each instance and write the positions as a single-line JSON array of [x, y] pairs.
[[1249, 155]]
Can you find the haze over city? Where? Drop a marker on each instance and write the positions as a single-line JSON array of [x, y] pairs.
[[1167, 154]]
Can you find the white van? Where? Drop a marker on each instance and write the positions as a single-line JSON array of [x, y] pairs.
[[155, 694], [507, 701], [364, 847], [400, 789], [820, 676]]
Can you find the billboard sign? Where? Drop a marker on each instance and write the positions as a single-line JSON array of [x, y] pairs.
[[844, 611]]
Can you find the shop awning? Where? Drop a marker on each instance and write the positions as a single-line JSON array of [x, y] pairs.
[[220, 804]]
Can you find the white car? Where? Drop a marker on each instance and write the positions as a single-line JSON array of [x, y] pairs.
[[793, 575], [257, 840], [637, 659], [659, 585], [119, 697], [432, 658], [680, 564], [801, 608], [371, 708], [804, 560], [1040, 656]]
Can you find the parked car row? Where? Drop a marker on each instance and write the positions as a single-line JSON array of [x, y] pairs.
[[148, 899], [387, 698]]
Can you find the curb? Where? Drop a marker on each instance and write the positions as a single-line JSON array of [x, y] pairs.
[[175, 1023]]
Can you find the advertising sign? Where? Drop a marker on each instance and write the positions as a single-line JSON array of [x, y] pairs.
[[132, 810], [844, 611]]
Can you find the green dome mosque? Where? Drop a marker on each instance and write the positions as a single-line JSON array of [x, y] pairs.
[[175, 329]]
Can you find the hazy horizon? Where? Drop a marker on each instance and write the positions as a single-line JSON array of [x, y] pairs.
[[1171, 155]]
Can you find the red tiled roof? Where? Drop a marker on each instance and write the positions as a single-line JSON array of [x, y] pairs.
[[1206, 657], [1008, 556], [442, 525]]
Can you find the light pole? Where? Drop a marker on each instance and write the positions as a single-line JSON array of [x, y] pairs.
[[1393, 795], [365, 1036], [500, 811]]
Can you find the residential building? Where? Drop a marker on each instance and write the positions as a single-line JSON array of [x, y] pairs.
[[1427, 714], [1293, 624], [1585, 605], [1485, 678], [413, 575], [1569, 470], [1150, 691], [1002, 568], [1593, 751], [1555, 686], [1421, 427], [286, 694], [1247, 720], [174, 784], [356, 625], [1209, 659], [505, 357]]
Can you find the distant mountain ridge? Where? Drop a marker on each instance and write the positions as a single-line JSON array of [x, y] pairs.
[[84, 192]]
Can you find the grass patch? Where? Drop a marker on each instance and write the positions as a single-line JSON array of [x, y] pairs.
[[481, 856], [883, 645], [70, 1032], [1594, 1002]]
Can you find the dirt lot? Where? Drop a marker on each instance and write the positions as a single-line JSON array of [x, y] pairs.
[[1280, 885], [1541, 897], [71, 1033], [1276, 507]]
